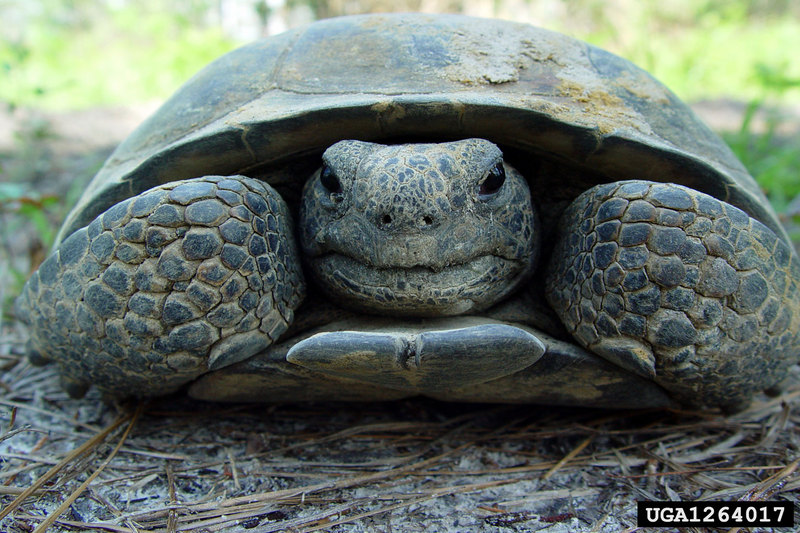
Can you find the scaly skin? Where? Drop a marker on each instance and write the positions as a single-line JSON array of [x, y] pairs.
[[165, 286], [418, 229], [678, 287]]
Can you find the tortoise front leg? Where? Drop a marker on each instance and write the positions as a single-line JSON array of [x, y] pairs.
[[184, 278], [679, 287]]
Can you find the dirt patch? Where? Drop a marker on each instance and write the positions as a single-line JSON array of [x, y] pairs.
[[73, 132], [727, 116]]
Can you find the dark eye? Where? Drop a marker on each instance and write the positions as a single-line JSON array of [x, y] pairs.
[[494, 180], [329, 180]]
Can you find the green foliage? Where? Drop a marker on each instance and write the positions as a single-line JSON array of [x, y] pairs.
[[745, 50], [29, 218], [75, 54], [78, 53], [20, 208], [34, 208], [702, 49], [772, 158]]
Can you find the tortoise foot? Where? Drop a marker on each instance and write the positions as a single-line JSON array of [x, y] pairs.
[[680, 287], [186, 277], [36, 358], [73, 387], [778, 388]]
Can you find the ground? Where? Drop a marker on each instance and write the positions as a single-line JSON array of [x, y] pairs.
[[415, 465]]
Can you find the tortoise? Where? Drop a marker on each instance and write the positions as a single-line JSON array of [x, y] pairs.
[[382, 206]]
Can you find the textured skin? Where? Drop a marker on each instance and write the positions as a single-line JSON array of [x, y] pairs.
[[188, 277], [678, 287], [412, 229]]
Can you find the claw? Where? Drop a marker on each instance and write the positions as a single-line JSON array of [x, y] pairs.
[[75, 388], [778, 389], [35, 357], [628, 354]]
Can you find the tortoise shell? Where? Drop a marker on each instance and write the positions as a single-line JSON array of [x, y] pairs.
[[271, 107]]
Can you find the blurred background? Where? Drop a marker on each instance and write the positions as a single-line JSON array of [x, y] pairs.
[[71, 54], [76, 76]]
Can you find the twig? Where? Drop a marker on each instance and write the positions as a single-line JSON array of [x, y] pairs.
[[328, 525], [287, 494], [51, 518], [12, 418], [74, 454], [435, 493], [12, 432], [234, 471], [772, 484], [578, 449], [53, 414], [84, 526], [172, 516], [14, 490]]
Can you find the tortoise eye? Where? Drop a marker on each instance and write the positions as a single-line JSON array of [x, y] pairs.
[[329, 180], [494, 180]]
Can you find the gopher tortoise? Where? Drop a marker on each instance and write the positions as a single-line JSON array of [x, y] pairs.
[[383, 206]]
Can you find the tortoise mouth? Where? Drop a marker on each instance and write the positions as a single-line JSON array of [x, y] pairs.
[[418, 290]]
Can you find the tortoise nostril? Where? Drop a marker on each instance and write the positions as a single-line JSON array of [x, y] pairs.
[[401, 221]]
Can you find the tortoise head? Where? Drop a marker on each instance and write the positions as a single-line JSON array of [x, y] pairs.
[[418, 229]]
